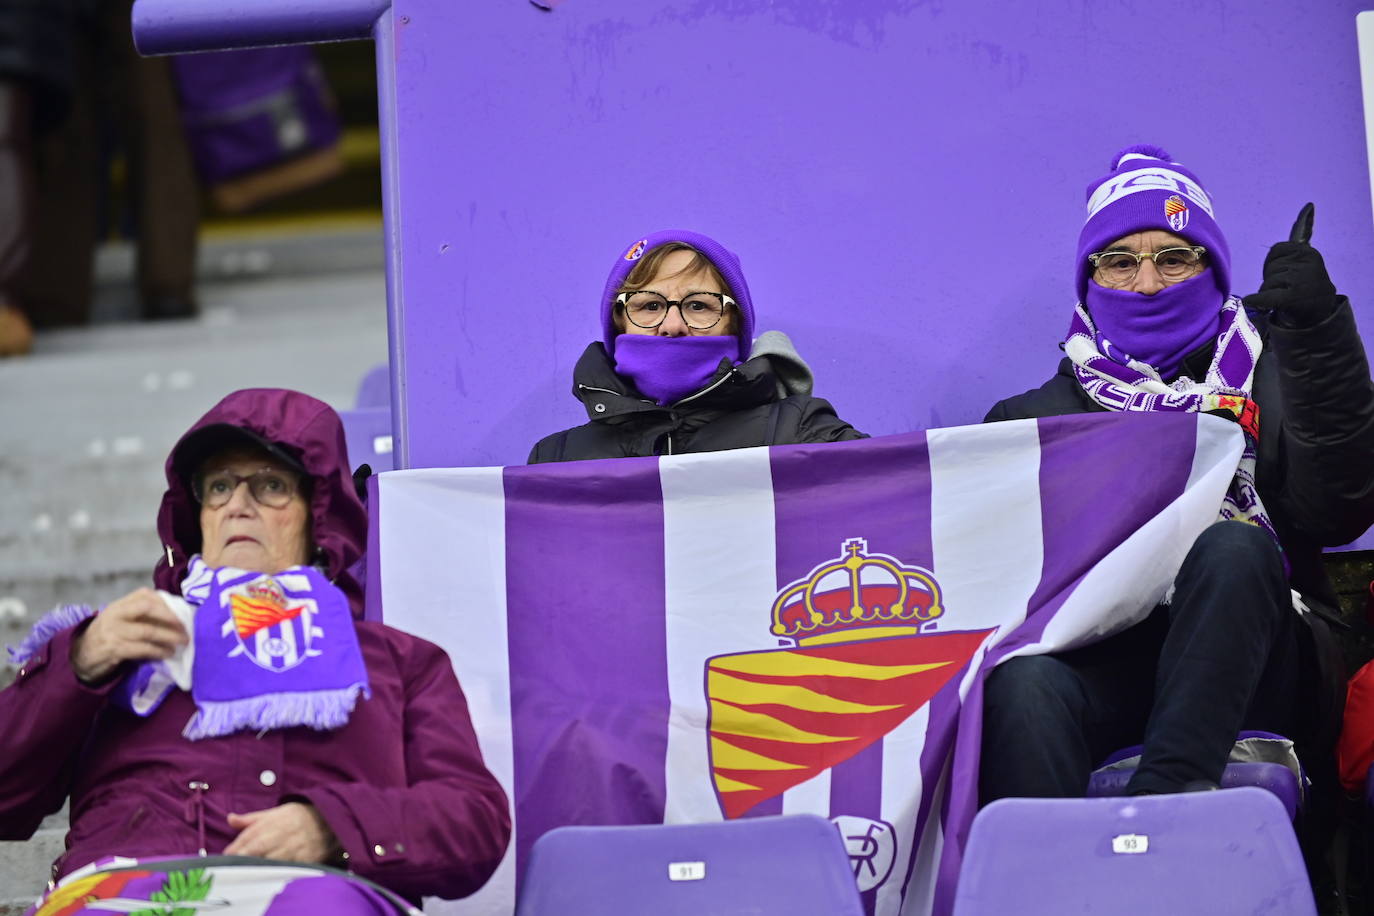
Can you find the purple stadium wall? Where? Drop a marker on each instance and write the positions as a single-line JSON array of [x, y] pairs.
[[903, 179]]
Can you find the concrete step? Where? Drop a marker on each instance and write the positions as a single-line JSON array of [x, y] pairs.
[[25, 867]]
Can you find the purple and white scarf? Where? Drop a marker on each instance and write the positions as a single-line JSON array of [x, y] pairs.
[[1128, 384], [266, 651]]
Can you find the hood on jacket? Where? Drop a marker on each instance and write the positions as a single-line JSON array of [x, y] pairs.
[[303, 431], [725, 260]]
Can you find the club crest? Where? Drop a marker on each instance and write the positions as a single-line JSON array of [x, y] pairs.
[[1176, 213], [860, 664], [274, 631]]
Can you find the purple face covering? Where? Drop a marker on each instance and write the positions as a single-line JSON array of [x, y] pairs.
[[668, 369], [1161, 329]]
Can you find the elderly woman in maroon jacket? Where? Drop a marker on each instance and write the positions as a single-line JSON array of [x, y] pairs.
[[242, 708]]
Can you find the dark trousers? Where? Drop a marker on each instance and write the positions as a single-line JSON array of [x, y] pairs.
[[130, 102], [1224, 656]]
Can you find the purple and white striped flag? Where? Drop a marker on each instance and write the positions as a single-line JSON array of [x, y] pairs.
[[795, 629]]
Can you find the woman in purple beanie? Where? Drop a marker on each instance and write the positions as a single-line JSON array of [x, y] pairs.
[[1157, 328], [678, 368]]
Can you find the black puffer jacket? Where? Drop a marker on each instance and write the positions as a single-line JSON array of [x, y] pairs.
[[1315, 467], [764, 401]]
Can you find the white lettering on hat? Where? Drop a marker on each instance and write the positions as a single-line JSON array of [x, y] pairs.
[[1128, 183]]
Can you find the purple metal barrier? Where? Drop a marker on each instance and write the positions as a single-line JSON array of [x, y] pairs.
[[169, 26], [903, 181]]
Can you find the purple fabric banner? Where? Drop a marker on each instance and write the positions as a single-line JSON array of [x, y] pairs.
[[589, 702], [230, 885], [891, 507], [1072, 515], [800, 629]]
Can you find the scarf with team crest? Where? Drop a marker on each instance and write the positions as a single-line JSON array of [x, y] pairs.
[[266, 651], [1128, 384]]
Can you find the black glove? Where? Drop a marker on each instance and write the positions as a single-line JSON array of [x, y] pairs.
[[360, 476], [1296, 287]]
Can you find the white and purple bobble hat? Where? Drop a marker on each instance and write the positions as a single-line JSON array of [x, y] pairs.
[[726, 261], [1146, 189]]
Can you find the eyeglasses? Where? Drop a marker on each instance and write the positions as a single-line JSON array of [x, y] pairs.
[[269, 487], [1117, 268], [648, 309]]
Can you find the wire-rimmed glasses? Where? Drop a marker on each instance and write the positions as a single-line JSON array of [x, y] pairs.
[[1118, 268]]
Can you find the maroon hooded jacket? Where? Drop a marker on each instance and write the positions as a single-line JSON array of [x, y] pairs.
[[402, 785]]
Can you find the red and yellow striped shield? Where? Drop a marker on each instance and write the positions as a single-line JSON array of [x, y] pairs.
[[252, 613], [779, 717]]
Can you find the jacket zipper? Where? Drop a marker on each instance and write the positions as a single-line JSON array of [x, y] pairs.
[[707, 390], [582, 387], [195, 808]]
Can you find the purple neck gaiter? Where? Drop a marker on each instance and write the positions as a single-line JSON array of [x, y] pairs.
[[1161, 329], [668, 369]]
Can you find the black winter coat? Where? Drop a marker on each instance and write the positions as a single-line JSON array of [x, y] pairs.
[[1315, 465], [742, 406]]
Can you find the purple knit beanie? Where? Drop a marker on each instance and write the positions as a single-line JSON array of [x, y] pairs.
[[725, 260], [1146, 189]]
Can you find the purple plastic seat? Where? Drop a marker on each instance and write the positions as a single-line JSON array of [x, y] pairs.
[[1260, 759], [1199, 852], [375, 388], [367, 431], [367, 427], [794, 865]]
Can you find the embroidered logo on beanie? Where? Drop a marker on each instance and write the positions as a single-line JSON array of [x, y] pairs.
[[1176, 212], [1146, 189], [636, 250]]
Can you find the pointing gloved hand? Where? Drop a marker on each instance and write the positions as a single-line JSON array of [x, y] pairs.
[[1296, 287]]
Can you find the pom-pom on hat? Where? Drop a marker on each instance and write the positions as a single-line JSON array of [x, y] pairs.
[[726, 261], [1146, 189]]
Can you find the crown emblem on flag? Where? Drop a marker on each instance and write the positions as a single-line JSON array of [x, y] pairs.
[[860, 595]]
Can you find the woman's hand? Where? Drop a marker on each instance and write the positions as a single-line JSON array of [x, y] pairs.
[[294, 832], [137, 627]]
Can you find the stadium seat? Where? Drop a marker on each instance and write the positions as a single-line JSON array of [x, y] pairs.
[[1260, 759], [367, 427], [794, 865], [375, 388], [1200, 852], [367, 430]]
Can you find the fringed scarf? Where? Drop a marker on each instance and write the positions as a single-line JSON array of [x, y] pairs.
[[1134, 385], [266, 651]]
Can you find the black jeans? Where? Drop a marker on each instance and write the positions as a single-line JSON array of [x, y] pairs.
[[1222, 657]]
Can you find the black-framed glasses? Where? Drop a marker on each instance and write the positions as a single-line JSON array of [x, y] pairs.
[[269, 487], [700, 311], [1117, 268]]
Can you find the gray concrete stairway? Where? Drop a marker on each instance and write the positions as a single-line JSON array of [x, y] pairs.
[[87, 419]]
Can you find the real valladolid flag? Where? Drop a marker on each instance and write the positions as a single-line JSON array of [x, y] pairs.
[[795, 629]]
